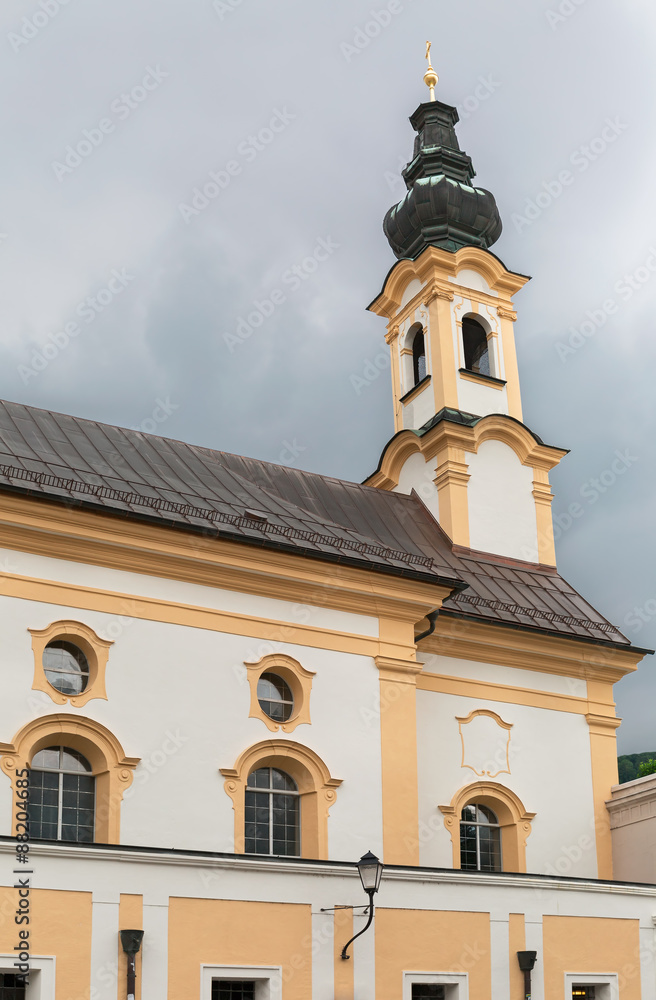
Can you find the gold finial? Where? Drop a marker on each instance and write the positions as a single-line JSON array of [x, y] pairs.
[[430, 76]]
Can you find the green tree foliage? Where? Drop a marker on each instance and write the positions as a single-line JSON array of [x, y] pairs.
[[630, 765]]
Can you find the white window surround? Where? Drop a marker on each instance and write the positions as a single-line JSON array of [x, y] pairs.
[[457, 983], [41, 976], [267, 979], [607, 984]]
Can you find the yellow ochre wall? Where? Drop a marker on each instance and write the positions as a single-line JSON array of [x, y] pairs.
[[232, 932], [428, 941], [60, 924], [591, 944]]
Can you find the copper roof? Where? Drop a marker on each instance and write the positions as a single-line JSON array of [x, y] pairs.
[[67, 459]]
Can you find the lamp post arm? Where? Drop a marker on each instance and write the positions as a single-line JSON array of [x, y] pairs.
[[370, 893]]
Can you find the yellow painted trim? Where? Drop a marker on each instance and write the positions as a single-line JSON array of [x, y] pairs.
[[111, 768], [450, 443], [507, 318], [489, 691], [230, 622], [603, 726], [434, 259], [445, 388], [58, 532], [465, 720], [94, 648], [316, 787], [417, 390], [300, 683], [513, 818], [473, 377], [478, 641], [398, 735], [130, 917]]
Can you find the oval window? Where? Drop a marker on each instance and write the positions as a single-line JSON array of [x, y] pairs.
[[275, 697], [66, 667]]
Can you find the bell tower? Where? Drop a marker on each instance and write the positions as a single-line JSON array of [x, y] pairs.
[[460, 442]]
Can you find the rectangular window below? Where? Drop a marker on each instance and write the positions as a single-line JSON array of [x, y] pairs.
[[428, 991], [10, 987], [232, 989]]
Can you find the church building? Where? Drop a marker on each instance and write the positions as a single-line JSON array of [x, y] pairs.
[[226, 681]]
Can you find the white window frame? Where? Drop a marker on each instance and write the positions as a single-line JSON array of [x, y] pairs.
[[609, 981], [267, 979], [41, 975], [457, 983]]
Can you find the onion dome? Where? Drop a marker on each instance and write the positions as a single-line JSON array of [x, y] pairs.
[[441, 207]]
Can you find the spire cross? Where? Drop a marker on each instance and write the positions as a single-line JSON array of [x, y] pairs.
[[430, 76]]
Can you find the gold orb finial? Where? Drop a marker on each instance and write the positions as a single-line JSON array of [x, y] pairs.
[[430, 76]]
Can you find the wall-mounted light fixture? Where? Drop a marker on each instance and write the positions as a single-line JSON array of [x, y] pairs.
[[131, 941], [370, 869], [526, 961]]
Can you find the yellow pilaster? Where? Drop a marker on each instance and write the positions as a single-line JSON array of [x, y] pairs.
[[398, 734], [444, 384], [507, 319], [543, 499], [451, 480], [603, 724]]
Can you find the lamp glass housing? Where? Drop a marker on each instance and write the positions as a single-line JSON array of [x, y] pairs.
[[371, 870]]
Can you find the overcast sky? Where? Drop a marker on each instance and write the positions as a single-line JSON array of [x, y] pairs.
[[114, 113]]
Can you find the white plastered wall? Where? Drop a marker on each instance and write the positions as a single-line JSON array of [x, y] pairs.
[[419, 475], [549, 763], [178, 699], [501, 504]]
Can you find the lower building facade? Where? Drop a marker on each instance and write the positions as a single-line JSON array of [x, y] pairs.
[[245, 927]]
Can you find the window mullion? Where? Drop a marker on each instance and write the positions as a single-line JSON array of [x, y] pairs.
[[60, 805]]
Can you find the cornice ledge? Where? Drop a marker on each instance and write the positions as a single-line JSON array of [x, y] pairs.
[[603, 722], [393, 669]]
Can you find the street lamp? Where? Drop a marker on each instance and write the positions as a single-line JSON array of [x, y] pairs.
[[370, 870], [526, 961], [131, 941]]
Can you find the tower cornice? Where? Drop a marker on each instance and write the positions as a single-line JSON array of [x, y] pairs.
[[434, 264]]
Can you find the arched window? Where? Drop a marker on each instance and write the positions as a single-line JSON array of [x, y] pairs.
[[419, 357], [62, 796], [281, 794], [506, 821], [78, 774], [272, 813], [474, 342], [480, 839]]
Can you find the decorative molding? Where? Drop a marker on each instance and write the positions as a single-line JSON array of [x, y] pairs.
[[402, 671], [94, 648], [112, 769], [299, 680], [531, 650], [466, 721], [433, 260], [48, 529], [487, 380], [317, 790], [506, 313], [513, 818], [416, 389]]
